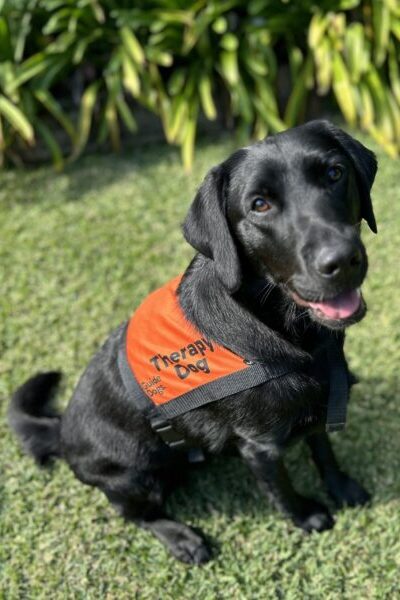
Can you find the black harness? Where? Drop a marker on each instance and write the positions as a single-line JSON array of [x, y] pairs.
[[159, 418]]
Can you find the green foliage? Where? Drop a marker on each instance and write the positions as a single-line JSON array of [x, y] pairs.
[[253, 62]]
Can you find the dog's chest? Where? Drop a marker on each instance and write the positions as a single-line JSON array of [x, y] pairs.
[[290, 408], [281, 410]]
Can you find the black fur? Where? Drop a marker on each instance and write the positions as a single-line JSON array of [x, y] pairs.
[[33, 420], [239, 291]]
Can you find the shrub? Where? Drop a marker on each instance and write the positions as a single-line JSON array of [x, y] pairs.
[[82, 67]]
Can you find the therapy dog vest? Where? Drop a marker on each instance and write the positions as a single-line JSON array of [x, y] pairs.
[[170, 368]]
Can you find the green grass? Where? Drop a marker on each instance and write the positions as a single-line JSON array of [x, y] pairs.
[[78, 251]]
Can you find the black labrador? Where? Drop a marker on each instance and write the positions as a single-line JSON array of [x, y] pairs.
[[277, 273]]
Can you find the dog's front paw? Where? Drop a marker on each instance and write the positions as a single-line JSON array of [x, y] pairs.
[[345, 491], [314, 517], [190, 548]]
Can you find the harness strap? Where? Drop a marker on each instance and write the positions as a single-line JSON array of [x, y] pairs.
[[338, 388]]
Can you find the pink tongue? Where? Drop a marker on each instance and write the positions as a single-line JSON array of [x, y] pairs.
[[340, 307]]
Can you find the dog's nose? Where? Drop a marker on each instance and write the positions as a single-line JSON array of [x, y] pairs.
[[332, 262]]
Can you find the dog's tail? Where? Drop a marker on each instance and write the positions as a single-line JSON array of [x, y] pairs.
[[31, 417]]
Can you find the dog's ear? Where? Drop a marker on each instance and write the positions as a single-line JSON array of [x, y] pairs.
[[365, 165], [206, 228]]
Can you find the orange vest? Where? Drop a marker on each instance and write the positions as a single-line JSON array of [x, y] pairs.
[[169, 367]]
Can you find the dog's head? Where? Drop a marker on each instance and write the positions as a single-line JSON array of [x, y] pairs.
[[290, 207]]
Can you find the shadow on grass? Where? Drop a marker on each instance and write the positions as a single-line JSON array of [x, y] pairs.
[[92, 172], [88, 176], [33, 186]]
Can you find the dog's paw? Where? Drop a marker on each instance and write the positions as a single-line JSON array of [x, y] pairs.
[[345, 491], [314, 517], [190, 548]]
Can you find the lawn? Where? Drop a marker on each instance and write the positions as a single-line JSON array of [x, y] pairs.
[[78, 251]]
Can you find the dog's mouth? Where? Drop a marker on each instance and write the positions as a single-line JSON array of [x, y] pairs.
[[345, 308]]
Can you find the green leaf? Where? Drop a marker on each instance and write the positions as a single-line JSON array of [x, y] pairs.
[[395, 28], [296, 103], [244, 103], [126, 113], [176, 81], [7, 79], [6, 52], [389, 147], [194, 32], [57, 21], [182, 17], [98, 11], [317, 29], [395, 115], [348, 4], [30, 68], [295, 60], [366, 112], [132, 46], [16, 119], [323, 65], [220, 25], [176, 122], [394, 74], [375, 85], [271, 119], [187, 148], [52, 144], [62, 43], [131, 79], [343, 89], [272, 62], [54, 108], [266, 93], [255, 65], [88, 102], [379, 92], [229, 42], [260, 129], [111, 118], [381, 23], [165, 59], [356, 52], [229, 67], [102, 129], [206, 98]]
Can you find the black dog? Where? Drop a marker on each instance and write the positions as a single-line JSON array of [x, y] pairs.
[[277, 276]]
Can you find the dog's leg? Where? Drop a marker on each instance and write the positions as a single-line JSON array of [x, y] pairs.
[[343, 489], [183, 543], [273, 479]]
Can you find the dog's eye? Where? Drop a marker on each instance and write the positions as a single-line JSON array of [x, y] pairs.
[[334, 173], [260, 205]]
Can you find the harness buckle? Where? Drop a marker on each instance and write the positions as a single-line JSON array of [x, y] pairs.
[[167, 433], [174, 440]]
